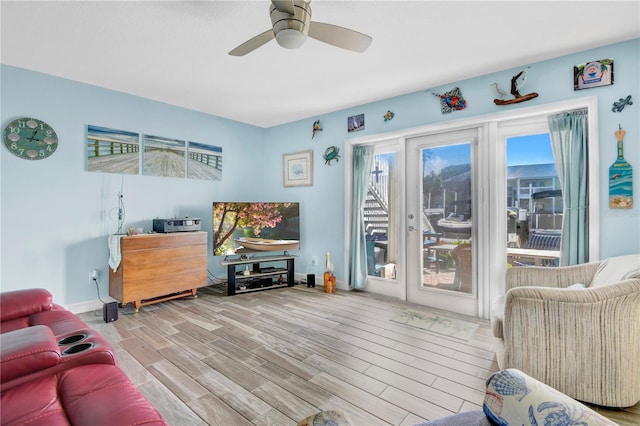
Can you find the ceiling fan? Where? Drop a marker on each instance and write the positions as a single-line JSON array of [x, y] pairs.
[[291, 20]]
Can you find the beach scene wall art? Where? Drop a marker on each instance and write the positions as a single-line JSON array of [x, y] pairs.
[[120, 151], [112, 151]]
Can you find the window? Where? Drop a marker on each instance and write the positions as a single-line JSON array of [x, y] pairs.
[[381, 217], [498, 193], [534, 202]]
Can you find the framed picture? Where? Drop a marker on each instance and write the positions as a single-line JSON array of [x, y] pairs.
[[204, 161], [355, 123], [163, 156], [593, 74], [298, 169], [112, 150]]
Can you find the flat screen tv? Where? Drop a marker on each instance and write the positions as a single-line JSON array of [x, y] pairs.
[[252, 227]]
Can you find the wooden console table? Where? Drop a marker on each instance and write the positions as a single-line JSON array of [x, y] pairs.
[[159, 267]]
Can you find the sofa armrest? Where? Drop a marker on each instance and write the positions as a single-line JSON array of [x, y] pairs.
[[590, 335], [540, 276], [514, 398], [26, 351], [21, 303]]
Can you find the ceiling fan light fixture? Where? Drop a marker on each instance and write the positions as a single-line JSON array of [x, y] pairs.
[[290, 39], [291, 30], [291, 24]]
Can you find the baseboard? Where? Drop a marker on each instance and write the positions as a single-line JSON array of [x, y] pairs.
[[302, 278], [92, 305]]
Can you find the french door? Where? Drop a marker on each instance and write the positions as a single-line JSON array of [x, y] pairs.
[[441, 221], [461, 188]]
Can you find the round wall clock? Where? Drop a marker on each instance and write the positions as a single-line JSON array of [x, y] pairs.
[[30, 138]]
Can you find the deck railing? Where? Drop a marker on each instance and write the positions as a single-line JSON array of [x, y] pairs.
[[212, 160], [102, 147], [376, 210], [380, 179]]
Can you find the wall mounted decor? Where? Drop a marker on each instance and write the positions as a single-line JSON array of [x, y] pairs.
[[118, 151], [316, 128], [619, 106], [451, 100], [389, 116], [593, 74], [30, 138], [331, 154], [163, 156], [204, 161], [112, 151], [517, 83], [298, 168], [355, 123], [620, 179]]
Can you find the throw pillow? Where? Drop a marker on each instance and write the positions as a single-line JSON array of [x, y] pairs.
[[616, 269], [577, 286], [326, 418], [513, 398]]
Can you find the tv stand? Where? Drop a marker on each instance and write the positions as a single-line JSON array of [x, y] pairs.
[[241, 279]]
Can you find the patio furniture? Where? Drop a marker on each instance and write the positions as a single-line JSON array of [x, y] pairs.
[[462, 256]]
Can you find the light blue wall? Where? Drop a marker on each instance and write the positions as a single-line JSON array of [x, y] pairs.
[[55, 216], [324, 229]]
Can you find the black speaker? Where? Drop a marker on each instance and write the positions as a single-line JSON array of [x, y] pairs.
[[311, 280], [110, 311]]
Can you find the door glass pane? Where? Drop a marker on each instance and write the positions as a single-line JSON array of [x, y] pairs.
[[446, 221], [534, 202], [380, 217]]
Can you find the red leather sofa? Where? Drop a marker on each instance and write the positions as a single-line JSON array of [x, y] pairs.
[[26, 308], [55, 370]]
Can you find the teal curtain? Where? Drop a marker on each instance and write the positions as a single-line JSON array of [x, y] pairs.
[[362, 161], [569, 144]]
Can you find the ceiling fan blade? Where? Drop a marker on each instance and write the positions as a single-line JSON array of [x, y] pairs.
[[339, 36], [253, 43], [285, 6]]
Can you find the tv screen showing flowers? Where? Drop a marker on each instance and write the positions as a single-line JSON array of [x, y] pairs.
[[250, 227]]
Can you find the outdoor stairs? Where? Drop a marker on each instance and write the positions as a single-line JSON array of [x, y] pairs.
[[376, 214]]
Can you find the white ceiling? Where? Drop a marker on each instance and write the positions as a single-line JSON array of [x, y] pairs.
[[176, 51]]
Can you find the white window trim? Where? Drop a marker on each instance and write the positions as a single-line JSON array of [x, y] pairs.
[[489, 124]]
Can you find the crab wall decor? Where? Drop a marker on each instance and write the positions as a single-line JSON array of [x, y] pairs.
[[331, 154]]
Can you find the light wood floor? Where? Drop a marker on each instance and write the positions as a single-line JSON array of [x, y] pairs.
[[277, 356]]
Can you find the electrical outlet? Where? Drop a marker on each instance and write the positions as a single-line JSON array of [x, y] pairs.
[[314, 261], [94, 276]]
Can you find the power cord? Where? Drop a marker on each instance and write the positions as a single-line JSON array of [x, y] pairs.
[[122, 311], [215, 279], [95, 281], [121, 210]]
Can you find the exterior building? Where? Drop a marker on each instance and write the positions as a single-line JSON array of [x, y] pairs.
[[525, 180]]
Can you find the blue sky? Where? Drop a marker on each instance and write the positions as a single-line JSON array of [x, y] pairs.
[[531, 149]]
